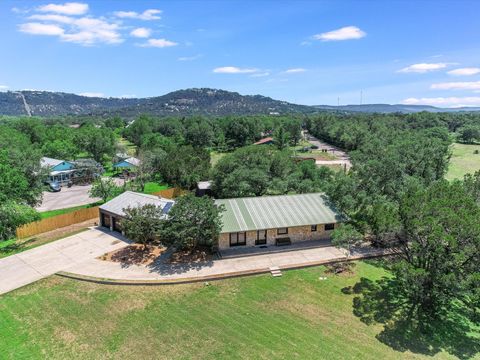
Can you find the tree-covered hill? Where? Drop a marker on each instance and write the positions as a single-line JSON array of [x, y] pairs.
[[204, 101], [181, 102]]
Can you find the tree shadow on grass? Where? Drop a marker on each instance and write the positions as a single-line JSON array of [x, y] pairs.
[[16, 247], [381, 302]]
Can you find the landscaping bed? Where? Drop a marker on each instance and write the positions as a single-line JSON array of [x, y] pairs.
[[195, 255], [134, 254]]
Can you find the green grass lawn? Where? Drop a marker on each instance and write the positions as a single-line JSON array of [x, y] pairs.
[[297, 316], [463, 161], [215, 157], [50, 213], [131, 147], [15, 246], [153, 187]]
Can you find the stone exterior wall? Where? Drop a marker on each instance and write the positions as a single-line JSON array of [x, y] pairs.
[[296, 234]]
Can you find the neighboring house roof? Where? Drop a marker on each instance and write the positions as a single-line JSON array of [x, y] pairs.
[[46, 161], [204, 185], [134, 199], [271, 212], [89, 163], [267, 140], [131, 161]]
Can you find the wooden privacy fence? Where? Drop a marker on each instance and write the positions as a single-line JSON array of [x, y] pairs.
[[76, 217], [171, 193], [56, 222]]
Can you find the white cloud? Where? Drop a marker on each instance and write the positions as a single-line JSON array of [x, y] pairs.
[[295, 71], [190, 58], [141, 32], [466, 85], [423, 67], [262, 74], [234, 70], [3, 87], [465, 71], [86, 30], [444, 101], [92, 94], [160, 43], [71, 8], [128, 96], [150, 14], [344, 33], [41, 29]]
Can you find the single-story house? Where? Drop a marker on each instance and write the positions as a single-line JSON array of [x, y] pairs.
[[265, 141], [276, 220], [63, 171], [130, 163], [112, 212], [59, 170]]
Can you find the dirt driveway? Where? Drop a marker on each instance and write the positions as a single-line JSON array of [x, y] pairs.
[[69, 197]]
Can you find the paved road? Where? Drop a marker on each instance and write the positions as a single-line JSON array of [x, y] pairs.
[[68, 197], [342, 156], [32, 265]]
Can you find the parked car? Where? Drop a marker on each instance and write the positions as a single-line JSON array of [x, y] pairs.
[[313, 147], [54, 186]]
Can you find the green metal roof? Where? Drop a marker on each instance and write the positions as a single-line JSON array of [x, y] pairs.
[[270, 212]]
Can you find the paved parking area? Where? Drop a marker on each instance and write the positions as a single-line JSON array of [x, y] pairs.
[[32, 265], [68, 197]]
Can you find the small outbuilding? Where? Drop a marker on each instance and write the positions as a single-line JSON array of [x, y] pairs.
[[276, 220], [112, 212], [204, 188]]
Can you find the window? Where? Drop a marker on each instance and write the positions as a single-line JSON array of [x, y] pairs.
[[329, 227], [238, 239], [282, 231], [261, 237], [314, 228]]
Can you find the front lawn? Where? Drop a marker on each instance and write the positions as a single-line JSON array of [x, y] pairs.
[[297, 316]]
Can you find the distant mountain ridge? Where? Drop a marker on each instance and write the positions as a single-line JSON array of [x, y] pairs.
[[197, 101], [389, 108]]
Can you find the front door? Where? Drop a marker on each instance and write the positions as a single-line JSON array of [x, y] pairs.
[[261, 237]]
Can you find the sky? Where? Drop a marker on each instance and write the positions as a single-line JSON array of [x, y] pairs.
[[305, 52]]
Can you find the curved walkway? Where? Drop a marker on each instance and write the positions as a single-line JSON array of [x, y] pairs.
[[161, 273]]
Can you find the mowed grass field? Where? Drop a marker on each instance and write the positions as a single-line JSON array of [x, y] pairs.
[[463, 161], [297, 316]]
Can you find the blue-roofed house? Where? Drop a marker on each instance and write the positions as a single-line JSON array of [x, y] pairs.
[[59, 170], [130, 164]]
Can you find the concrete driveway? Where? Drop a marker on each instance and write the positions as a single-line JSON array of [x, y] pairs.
[[32, 265], [68, 197]]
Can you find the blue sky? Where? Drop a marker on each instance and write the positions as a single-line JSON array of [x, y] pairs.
[[307, 52]]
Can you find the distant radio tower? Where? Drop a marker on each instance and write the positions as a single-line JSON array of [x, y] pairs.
[[338, 101], [361, 97]]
